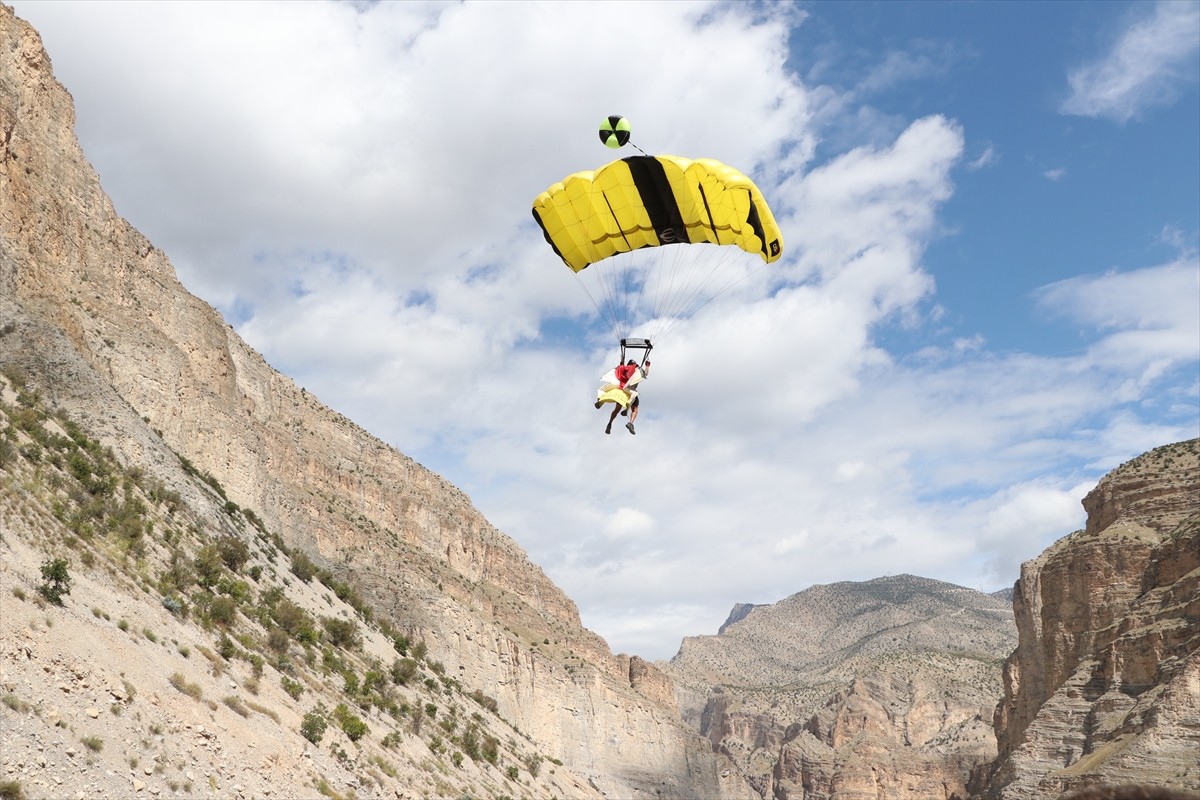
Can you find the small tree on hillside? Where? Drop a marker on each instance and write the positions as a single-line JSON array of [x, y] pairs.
[[56, 581], [234, 552], [302, 566], [313, 726]]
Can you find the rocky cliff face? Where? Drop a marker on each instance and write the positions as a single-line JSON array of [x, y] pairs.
[[1104, 686], [852, 690], [97, 321]]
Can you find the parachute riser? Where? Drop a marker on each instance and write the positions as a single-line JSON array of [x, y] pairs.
[[628, 346]]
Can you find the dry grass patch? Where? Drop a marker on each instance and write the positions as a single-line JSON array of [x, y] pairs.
[[181, 683]]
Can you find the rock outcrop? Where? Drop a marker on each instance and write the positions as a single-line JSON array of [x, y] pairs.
[[97, 321], [852, 690], [1104, 686]]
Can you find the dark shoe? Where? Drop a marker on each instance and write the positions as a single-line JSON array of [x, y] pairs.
[[598, 404], [608, 429], [624, 412], [629, 425]]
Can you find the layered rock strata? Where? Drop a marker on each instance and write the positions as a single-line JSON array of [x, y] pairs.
[[1104, 686], [852, 690]]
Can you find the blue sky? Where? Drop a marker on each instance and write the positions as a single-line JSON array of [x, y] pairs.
[[989, 297], [1097, 188]]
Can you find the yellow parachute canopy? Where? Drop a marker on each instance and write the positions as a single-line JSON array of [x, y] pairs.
[[647, 201]]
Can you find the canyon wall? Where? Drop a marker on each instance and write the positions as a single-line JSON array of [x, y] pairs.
[[1104, 686], [99, 323]]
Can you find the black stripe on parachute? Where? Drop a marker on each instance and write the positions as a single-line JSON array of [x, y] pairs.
[[650, 178]]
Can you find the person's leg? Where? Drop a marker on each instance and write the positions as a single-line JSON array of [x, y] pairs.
[[611, 417]]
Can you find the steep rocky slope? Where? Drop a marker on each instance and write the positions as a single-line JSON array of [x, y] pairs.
[[96, 321], [184, 651], [1104, 686], [875, 689]]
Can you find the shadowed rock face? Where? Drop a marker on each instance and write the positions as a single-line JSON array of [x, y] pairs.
[[875, 689], [102, 327], [1104, 686]]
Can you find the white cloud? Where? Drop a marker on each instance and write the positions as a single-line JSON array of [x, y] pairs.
[[1147, 316], [985, 159], [794, 542], [923, 59], [1146, 66], [626, 522], [1020, 520]]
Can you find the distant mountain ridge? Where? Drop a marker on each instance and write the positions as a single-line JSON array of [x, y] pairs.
[[825, 624], [739, 612], [902, 670]]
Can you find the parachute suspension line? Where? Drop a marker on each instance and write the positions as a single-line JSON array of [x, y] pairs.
[[662, 287], [606, 297], [631, 282], [691, 299], [631, 299], [608, 300], [675, 274], [613, 301], [601, 311], [710, 298], [719, 258], [688, 296], [679, 279]]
